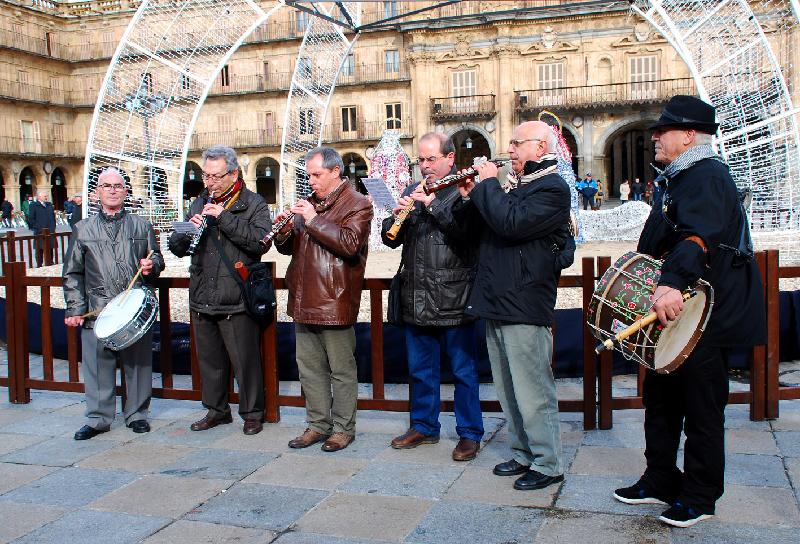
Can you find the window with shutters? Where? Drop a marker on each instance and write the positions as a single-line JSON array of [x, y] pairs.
[[301, 21], [267, 128], [304, 67], [30, 137], [349, 66], [225, 76], [23, 85], [186, 83], [390, 9], [55, 90], [550, 83], [465, 87], [349, 120], [57, 132], [147, 82], [392, 61], [643, 76], [306, 119], [225, 127], [394, 117], [50, 43]]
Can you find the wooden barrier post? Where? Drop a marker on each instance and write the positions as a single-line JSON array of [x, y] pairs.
[[44, 240], [589, 359], [376, 342], [605, 395], [17, 331], [269, 362], [772, 362], [12, 246]]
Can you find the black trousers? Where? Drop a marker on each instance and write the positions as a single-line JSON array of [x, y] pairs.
[[692, 399], [225, 341]]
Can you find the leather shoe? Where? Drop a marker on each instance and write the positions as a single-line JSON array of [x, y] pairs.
[[411, 439], [86, 432], [139, 426], [338, 441], [252, 426], [209, 422], [510, 468], [466, 450], [536, 480], [308, 438]]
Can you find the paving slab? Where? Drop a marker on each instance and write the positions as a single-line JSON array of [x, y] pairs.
[[12, 476], [789, 416], [563, 526], [497, 450], [455, 523], [120, 433], [140, 457], [440, 453], [365, 446], [366, 516], [148, 495], [755, 470], [274, 438], [46, 401], [296, 471], [197, 532], [259, 506], [593, 493], [21, 519], [750, 441], [714, 532], [178, 433], [90, 527], [70, 487], [404, 479], [293, 537], [624, 434], [793, 468], [13, 442], [58, 452], [9, 417], [478, 484], [171, 409], [758, 506], [737, 416], [47, 425], [788, 442], [609, 461], [218, 464]]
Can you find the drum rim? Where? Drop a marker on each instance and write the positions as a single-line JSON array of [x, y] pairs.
[[698, 333]]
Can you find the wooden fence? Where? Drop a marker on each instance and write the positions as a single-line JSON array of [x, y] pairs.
[[596, 402]]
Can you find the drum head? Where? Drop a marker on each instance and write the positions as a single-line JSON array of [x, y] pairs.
[[117, 314], [679, 338]]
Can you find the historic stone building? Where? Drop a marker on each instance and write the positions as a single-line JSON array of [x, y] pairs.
[[473, 70]]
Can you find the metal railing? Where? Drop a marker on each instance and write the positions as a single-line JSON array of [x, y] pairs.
[[374, 73], [594, 96], [41, 146], [237, 138], [364, 130], [463, 107]]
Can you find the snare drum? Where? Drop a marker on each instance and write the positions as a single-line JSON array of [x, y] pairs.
[[120, 324], [625, 294]]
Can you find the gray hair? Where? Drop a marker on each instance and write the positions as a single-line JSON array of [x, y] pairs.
[[446, 145], [222, 152], [110, 171], [330, 158], [701, 138]]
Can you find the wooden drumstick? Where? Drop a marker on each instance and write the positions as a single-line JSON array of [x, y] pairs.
[[90, 314], [634, 328], [135, 277]]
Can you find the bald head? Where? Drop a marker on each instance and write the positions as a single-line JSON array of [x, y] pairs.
[[530, 142]]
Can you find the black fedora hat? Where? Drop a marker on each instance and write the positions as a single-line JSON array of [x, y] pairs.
[[684, 111]]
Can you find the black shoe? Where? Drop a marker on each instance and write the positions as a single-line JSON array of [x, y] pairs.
[[536, 480], [139, 426], [86, 432], [639, 493], [679, 515], [510, 468]]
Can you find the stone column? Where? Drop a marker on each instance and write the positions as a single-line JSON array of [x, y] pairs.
[[617, 153], [504, 95], [588, 145]]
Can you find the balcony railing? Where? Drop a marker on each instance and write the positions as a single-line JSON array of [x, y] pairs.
[[277, 81], [237, 138], [463, 107], [41, 146], [593, 96], [47, 95], [374, 73], [364, 130]]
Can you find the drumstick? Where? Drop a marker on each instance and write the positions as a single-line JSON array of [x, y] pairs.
[[634, 328], [90, 314], [136, 277]]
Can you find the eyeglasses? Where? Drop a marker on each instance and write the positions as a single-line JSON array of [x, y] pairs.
[[423, 160], [215, 177], [517, 143], [114, 187]]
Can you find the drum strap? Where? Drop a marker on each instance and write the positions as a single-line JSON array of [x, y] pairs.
[[699, 241]]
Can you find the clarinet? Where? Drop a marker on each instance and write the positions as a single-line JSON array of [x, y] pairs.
[[391, 234], [458, 177], [200, 230], [276, 227]]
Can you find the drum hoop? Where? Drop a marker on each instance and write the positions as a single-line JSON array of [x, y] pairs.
[[695, 337], [603, 297]]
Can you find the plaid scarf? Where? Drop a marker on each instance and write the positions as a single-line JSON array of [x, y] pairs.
[[685, 160], [532, 170], [229, 195]]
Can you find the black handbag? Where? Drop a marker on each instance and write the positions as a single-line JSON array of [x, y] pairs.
[[258, 291], [394, 308]]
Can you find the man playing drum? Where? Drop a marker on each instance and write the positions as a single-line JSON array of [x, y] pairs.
[[700, 231], [104, 253]]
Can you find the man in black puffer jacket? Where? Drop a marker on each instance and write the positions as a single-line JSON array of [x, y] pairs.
[[438, 265], [226, 335], [524, 228]]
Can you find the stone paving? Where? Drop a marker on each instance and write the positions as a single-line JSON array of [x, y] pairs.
[[175, 486]]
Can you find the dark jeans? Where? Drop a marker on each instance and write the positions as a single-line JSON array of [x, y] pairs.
[[587, 201], [692, 399], [424, 345]]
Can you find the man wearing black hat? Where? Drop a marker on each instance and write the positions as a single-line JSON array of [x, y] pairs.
[[700, 231]]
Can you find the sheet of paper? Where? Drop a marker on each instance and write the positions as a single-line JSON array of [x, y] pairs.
[[184, 227], [381, 196]]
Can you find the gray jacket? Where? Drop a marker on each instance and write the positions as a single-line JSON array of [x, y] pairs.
[[103, 257]]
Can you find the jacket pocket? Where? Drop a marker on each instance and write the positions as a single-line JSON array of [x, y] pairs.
[[452, 289], [535, 266]]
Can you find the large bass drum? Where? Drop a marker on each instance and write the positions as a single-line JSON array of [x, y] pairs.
[[625, 294], [126, 318]]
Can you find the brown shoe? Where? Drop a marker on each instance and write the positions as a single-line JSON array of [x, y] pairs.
[[466, 450], [209, 422], [411, 439], [338, 441], [308, 438], [252, 426]]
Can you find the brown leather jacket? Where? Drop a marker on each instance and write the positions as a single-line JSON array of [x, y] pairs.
[[329, 255]]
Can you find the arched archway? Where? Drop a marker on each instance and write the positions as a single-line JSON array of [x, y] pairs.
[[355, 168], [2, 186], [469, 144], [26, 180], [629, 153], [58, 188], [268, 174], [192, 180]]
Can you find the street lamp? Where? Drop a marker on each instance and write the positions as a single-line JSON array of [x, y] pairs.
[[191, 175], [352, 166], [268, 172], [468, 142]]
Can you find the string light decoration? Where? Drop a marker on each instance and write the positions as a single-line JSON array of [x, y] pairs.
[[618, 224], [390, 163]]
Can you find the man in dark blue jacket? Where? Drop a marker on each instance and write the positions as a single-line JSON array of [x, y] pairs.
[[701, 232], [42, 216], [524, 227]]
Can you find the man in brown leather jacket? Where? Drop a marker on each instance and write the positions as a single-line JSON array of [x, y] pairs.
[[327, 240]]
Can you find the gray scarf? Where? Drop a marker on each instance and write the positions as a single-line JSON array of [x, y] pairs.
[[685, 160], [546, 165]]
